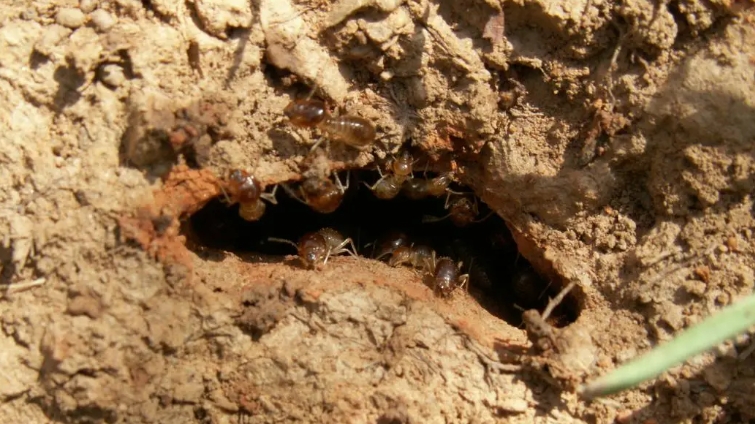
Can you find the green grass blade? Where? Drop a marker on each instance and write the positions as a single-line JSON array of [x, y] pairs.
[[723, 325]]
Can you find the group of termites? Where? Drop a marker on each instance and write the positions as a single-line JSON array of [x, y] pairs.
[[315, 248], [325, 195]]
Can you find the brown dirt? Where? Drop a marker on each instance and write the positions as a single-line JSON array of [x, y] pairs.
[[616, 139]]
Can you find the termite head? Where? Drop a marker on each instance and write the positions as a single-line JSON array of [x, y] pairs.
[[387, 188], [306, 113], [243, 187], [402, 165], [322, 195], [402, 255], [463, 212], [390, 243], [437, 186], [446, 277], [312, 249], [423, 256], [527, 286]]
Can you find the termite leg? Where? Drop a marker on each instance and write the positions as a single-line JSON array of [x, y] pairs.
[[318, 143], [225, 194], [448, 199], [485, 217], [464, 281], [293, 194], [430, 263], [426, 219], [382, 177], [341, 248], [449, 192], [270, 197], [342, 187]]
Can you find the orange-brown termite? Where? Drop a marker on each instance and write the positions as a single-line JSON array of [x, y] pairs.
[[243, 188], [403, 165], [444, 272], [322, 195], [315, 248], [351, 130], [462, 211], [418, 256], [420, 188], [389, 186], [388, 243], [447, 277]]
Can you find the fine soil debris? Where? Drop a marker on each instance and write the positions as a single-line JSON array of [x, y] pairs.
[[603, 147]]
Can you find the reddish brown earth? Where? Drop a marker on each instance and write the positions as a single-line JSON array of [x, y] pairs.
[[616, 139]]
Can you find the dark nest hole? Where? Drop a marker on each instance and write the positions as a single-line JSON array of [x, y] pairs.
[[501, 280]]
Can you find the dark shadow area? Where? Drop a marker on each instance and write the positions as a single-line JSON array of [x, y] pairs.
[[242, 36], [499, 277], [69, 81], [37, 59], [155, 138], [8, 267]]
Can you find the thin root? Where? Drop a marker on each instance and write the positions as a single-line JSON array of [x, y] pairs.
[[557, 300], [19, 287]]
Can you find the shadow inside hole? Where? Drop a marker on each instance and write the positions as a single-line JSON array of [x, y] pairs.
[[501, 280]]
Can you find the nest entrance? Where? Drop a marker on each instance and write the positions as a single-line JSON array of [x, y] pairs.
[[501, 280]]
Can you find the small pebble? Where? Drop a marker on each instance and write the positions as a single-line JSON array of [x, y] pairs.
[[70, 17], [29, 15], [112, 75], [87, 6], [51, 38], [102, 20]]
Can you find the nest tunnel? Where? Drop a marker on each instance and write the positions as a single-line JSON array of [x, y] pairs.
[[500, 279]]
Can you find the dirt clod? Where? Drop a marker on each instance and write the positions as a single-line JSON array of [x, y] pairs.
[[613, 139]]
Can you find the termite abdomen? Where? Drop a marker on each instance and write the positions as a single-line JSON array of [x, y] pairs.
[[306, 113], [352, 130]]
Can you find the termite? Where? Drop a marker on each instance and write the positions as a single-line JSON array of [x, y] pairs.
[[389, 186], [315, 248], [244, 189], [389, 243], [351, 130], [322, 195], [447, 277], [403, 165], [420, 188], [527, 287], [418, 256], [462, 211]]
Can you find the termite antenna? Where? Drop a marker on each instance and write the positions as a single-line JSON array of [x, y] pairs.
[[311, 91], [293, 194], [426, 219], [545, 290], [485, 217], [314, 82], [318, 143], [284, 241], [270, 197], [342, 187], [225, 193], [449, 192]]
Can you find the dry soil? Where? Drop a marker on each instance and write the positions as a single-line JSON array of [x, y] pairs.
[[616, 139]]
